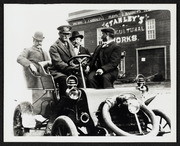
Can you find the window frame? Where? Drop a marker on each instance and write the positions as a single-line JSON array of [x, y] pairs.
[[150, 29]]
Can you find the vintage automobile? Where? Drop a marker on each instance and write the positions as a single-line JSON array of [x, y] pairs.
[[89, 112]]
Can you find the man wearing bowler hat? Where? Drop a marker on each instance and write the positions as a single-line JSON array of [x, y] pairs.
[[76, 40], [105, 60], [30, 57]]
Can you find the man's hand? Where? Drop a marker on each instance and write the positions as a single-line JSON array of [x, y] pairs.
[[87, 69], [99, 72], [33, 68], [45, 63]]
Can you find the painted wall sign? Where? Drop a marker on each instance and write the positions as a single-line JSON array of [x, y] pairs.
[[95, 19], [126, 39], [128, 27], [126, 13], [112, 16], [77, 22], [130, 30], [123, 35], [119, 17], [126, 19]]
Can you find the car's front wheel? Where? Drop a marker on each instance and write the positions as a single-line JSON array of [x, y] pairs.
[[164, 122], [124, 123], [64, 126]]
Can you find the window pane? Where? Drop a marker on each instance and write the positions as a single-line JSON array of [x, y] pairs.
[[150, 29]]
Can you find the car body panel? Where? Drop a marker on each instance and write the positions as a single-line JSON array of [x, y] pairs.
[[96, 96]]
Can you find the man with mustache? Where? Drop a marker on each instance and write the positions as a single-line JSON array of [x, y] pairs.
[[76, 39], [30, 57]]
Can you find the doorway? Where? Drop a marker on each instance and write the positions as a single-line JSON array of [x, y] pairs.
[[151, 62]]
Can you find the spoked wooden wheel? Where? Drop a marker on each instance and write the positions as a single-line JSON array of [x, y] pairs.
[[64, 126], [164, 122]]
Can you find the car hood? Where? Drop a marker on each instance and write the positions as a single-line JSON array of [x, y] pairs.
[[96, 96]]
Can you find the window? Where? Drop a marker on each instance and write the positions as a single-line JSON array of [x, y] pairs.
[[82, 33], [99, 34], [150, 29]]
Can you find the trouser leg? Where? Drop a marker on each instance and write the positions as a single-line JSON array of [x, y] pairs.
[[107, 80], [50, 124], [93, 81], [62, 85]]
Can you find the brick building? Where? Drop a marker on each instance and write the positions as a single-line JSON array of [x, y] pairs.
[[143, 35]]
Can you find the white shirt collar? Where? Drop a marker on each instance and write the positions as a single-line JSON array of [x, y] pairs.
[[76, 50], [108, 42]]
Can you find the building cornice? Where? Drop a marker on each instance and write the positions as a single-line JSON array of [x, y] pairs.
[[89, 14]]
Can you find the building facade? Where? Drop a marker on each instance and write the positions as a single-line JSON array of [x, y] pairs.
[[143, 35]]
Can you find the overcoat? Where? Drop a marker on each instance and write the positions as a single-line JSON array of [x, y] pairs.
[[28, 56], [60, 54]]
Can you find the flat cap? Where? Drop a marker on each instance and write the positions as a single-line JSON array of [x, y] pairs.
[[64, 29], [108, 29]]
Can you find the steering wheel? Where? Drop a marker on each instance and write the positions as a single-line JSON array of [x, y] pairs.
[[80, 59]]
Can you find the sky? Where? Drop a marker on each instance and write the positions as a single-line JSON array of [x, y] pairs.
[[20, 23]]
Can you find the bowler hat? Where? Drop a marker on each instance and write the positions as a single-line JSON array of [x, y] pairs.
[[108, 29], [38, 36], [76, 34], [64, 29]]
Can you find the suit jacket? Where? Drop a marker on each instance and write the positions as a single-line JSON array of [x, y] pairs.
[[59, 56], [28, 56], [32, 55], [106, 58], [83, 50]]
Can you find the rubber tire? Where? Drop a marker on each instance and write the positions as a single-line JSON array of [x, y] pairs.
[[159, 113], [65, 122], [120, 132], [17, 114], [24, 107]]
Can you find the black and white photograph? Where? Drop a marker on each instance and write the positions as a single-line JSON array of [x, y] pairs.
[[90, 73]]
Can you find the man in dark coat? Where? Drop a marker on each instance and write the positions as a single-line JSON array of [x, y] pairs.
[[76, 40], [106, 57], [60, 52]]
